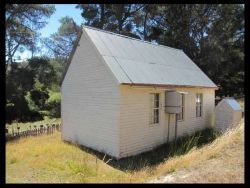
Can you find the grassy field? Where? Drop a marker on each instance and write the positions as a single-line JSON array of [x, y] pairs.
[[46, 159]]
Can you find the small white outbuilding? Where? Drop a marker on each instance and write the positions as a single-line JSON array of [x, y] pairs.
[[227, 114]]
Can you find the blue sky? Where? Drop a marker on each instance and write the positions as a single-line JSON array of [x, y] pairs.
[[61, 11], [53, 22]]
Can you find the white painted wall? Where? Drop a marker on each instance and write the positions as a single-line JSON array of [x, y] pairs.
[[90, 101], [137, 135]]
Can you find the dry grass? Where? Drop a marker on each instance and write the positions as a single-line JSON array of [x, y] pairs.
[[241, 101], [47, 159], [219, 162], [26, 126]]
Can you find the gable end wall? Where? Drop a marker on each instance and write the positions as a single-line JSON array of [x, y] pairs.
[[90, 101]]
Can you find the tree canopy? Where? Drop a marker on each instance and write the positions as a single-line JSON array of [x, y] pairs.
[[212, 35], [22, 24]]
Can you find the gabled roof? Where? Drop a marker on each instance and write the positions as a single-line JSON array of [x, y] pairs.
[[137, 62], [233, 103]]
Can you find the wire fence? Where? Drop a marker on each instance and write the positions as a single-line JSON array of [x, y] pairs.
[[43, 129]]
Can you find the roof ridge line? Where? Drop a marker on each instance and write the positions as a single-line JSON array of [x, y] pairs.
[[102, 30]]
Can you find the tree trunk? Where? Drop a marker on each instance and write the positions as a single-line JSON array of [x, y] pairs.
[[102, 15], [145, 26]]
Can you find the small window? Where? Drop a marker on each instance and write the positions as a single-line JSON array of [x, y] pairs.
[[198, 104], [155, 108], [180, 116]]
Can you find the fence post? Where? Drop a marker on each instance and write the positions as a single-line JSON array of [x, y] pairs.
[[52, 127], [18, 130], [41, 129], [35, 130]]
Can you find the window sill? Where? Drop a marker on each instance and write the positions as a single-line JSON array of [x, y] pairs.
[[154, 125]]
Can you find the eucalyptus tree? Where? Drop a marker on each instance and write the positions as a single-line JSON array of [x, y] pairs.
[[23, 22]]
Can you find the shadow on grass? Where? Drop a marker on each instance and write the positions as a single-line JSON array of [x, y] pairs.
[[159, 154]]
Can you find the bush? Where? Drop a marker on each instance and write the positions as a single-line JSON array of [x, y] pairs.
[[18, 109], [53, 105]]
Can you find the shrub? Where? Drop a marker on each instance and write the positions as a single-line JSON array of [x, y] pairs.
[[53, 105]]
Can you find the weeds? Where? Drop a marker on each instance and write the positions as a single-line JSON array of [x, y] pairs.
[[159, 154]]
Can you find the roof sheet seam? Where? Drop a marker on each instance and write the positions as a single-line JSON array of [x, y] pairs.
[[150, 62], [123, 70], [113, 57]]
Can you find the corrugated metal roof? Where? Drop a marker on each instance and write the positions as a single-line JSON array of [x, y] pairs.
[[137, 62], [233, 103]]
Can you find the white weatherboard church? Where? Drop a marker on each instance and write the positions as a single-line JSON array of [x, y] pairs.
[[123, 96]]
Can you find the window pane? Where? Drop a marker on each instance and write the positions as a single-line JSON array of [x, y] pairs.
[[198, 98], [157, 116], [198, 104], [182, 101], [156, 104], [198, 111], [157, 96], [154, 115], [179, 116], [182, 112]]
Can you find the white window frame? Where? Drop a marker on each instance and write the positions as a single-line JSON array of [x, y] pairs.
[[199, 104], [154, 108], [180, 116]]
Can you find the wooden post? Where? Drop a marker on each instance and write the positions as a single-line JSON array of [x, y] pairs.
[[18, 130], [168, 126], [175, 127], [41, 129]]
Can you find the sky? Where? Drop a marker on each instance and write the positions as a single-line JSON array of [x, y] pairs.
[[62, 10]]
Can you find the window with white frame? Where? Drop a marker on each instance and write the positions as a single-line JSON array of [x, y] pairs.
[[180, 116], [198, 104], [155, 108]]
